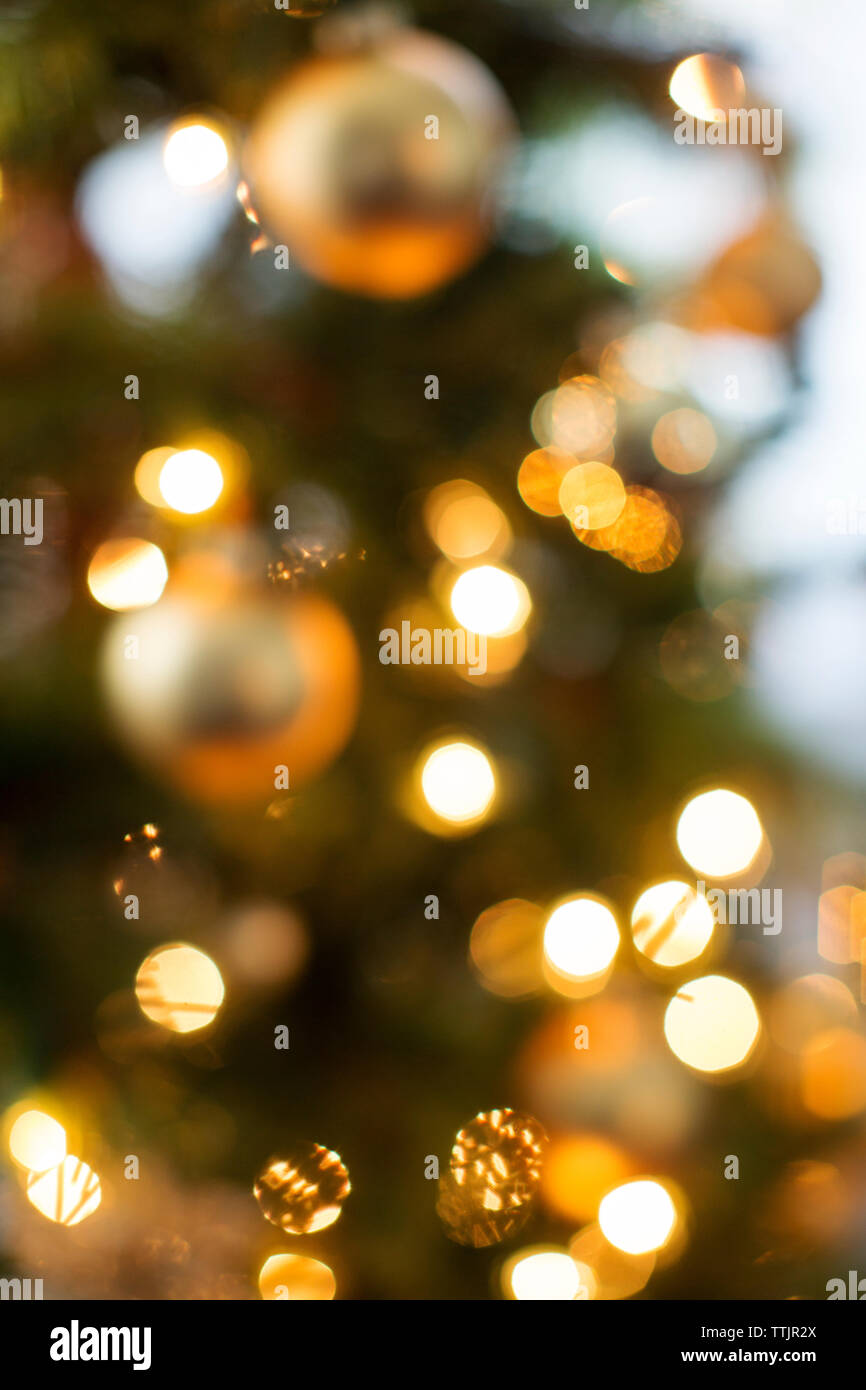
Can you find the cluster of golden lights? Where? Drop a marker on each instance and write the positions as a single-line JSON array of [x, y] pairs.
[[60, 1186], [572, 474], [711, 1024]]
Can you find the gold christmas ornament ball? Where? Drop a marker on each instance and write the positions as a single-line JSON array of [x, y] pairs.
[[468, 1222], [222, 693], [304, 1192], [493, 1177], [500, 1150], [377, 167]]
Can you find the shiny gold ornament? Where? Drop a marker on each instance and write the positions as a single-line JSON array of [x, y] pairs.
[[220, 690], [304, 1192], [467, 1223], [493, 1177], [376, 167]]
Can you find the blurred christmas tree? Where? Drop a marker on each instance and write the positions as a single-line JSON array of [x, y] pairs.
[[313, 254]]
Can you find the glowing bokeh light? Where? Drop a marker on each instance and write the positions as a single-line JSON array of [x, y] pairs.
[[638, 1217], [581, 938], [684, 441], [465, 522], [707, 86], [671, 923], [545, 1275], [592, 496], [147, 472], [578, 1170], [37, 1142], [458, 782], [490, 601], [582, 417], [296, 1277], [719, 833], [841, 923], [179, 987], [712, 1024], [833, 1074], [540, 477], [505, 947], [128, 573], [647, 538], [65, 1194], [805, 1007], [190, 481], [614, 370], [195, 155], [617, 1275]]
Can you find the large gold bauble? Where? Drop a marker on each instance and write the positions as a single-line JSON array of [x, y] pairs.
[[377, 168], [219, 693]]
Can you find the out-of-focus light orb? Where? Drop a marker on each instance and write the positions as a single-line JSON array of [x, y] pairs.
[[548, 1275], [581, 414], [465, 522], [841, 923], [458, 782], [581, 938], [578, 1170], [671, 923], [298, 1277], [719, 833], [684, 441], [65, 1194], [646, 537], [180, 988], [613, 368], [147, 472], [152, 237], [653, 355], [638, 1217], [843, 869], [128, 573], [811, 1201], [629, 236], [195, 155], [807, 1006], [304, 1192], [540, 476], [264, 944], [37, 1142], [592, 496], [505, 947], [617, 1275], [490, 601], [707, 86], [190, 481], [712, 1024], [833, 1074]]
